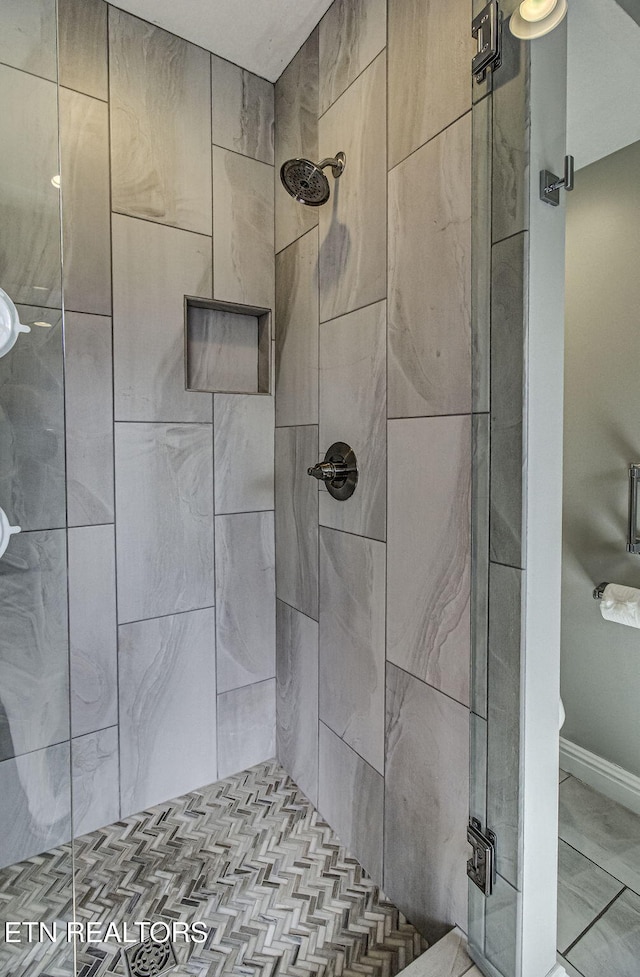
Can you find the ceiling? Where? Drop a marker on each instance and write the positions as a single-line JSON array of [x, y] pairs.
[[261, 35]]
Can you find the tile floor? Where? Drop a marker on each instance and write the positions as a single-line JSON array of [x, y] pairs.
[[249, 857], [598, 884]]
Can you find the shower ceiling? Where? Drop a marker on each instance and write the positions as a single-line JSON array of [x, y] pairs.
[[261, 35]]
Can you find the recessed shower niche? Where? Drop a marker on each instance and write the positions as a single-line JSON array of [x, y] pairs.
[[227, 347]]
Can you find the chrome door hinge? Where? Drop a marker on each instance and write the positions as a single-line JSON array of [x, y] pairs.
[[487, 29], [481, 867]]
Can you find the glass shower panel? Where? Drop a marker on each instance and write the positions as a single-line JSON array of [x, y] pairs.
[[35, 762]]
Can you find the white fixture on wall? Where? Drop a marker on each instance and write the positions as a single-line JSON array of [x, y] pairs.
[[6, 532], [535, 18], [10, 325]]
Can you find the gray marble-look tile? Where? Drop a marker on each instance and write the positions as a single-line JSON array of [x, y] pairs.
[[30, 208], [604, 831], [243, 453], [296, 134], [479, 561], [297, 697], [507, 377], [571, 971], [422, 102], [429, 551], [32, 441], [353, 391], [562, 775], [426, 804], [430, 278], [297, 519], [243, 228], [84, 150], [93, 629], [34, 644], [612, 946], [242, 110], [446, 958], [296, 332], [353, 248], [352, 641], [82, 45], [501, 925], [96, 780], [245, 599], [35, 806], [503, 741], [584, 890], [222, 350], [164, 532], [167, 708], [482, 129], [352, 34], [89, 419], [154, 267], [478, 768], [28, 36], [351, 799], [246, 727], [160, 100], [510, 179]]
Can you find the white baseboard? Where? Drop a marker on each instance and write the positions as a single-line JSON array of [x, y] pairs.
[[605, 777]]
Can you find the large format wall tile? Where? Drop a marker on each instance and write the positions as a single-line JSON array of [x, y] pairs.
[[28, 36], [242, 110], [34, 648], [510, 180], [297, 697], [353, 250], [297, 332], [160, 88], [92, 629], [430, 278], [154, 267], [164, 531], [84, 145], [82, 41], [167, 708], [352, 643], [243, 449], [296, 114], [89, 419], [96, 780], [351, 799], [245, 599], [32, 449], [503, 743], [243, 264], [297, 519], [353, 375], [30, 207], [429, 551], [501, 922], [613, 942], [507, 378], [430, 49], [246, 727], [35, 807], [426, 804], [352, 33]]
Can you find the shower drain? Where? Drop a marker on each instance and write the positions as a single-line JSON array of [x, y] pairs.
[[149, 959]]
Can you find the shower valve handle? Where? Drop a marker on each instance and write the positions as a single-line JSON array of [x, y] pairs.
[[330, 471]]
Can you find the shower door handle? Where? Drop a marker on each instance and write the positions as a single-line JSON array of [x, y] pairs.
[[633, 540]]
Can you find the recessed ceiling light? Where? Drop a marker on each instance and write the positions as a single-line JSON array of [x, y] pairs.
[[535, 18], [55, 181]]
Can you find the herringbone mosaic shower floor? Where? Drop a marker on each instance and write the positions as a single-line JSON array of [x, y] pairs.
[[250, 858]]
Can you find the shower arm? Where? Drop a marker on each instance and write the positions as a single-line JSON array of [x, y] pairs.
[[336, 163]]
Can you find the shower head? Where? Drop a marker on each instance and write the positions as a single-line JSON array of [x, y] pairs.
[[305, 180]]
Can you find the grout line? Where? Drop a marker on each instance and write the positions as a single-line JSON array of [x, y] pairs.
[[297, 239], [452, 698], [358, 308], [592, 923], [78, 91], [624, 885], [348, 532], [510, 237], [323, 722], [322, 114], [431, 139], [148, 220], [292, 607], [161, 617]]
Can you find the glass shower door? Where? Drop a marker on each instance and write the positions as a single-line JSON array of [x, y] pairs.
[[35, 752]]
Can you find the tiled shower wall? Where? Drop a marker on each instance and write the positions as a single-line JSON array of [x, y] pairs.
[[167, 184], [373, 347]]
